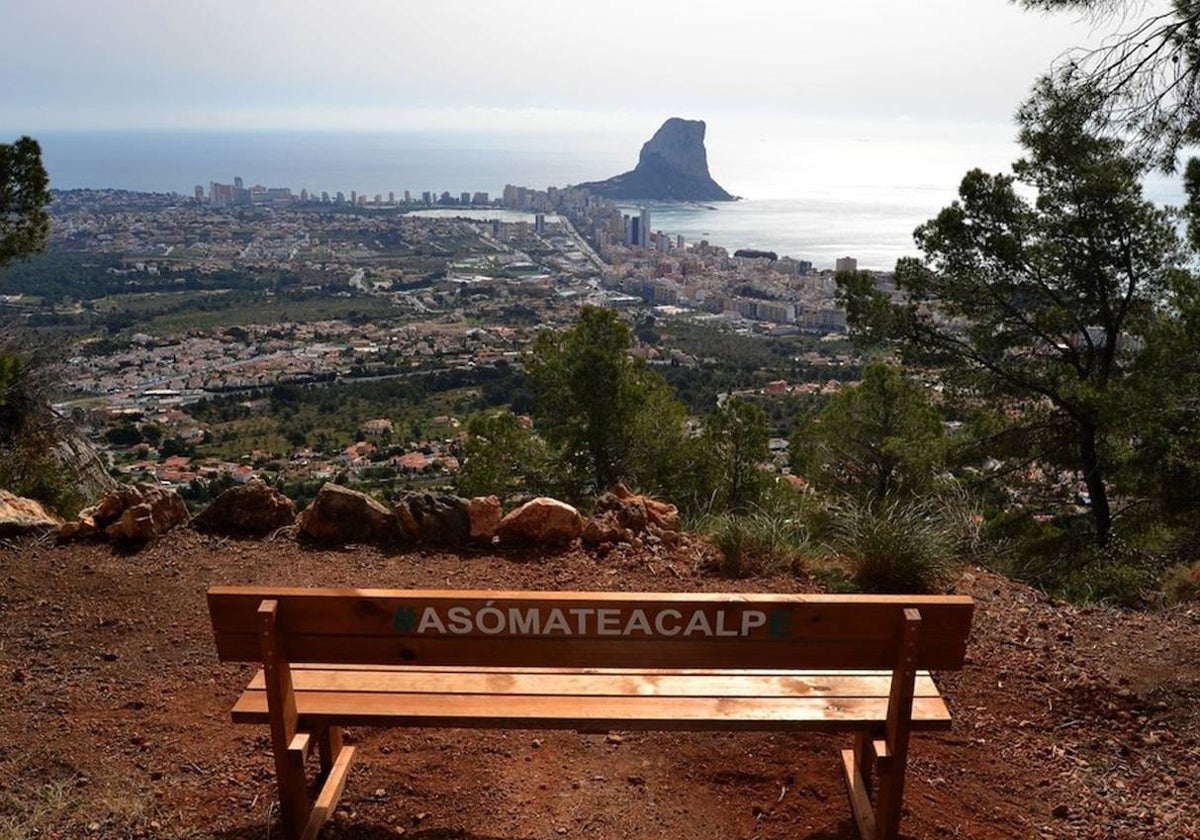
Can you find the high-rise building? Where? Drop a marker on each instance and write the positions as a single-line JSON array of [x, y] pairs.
[[427, 197], [407, 197], [539, 223], [324, 197], [341, 197], [354, 196], [480, 198], [391, 197], [199, 193], [237, 182], [643, 240], [220, 195], [465, 198], [846, 264]]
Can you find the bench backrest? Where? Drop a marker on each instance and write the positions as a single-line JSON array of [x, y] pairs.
[[594, 629]]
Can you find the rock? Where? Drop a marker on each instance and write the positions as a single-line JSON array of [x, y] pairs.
[[605, 529], [253, 509], [130, 513], [20, 516], [541, 521], [637, 512], [79, 457], [339, 514], [485, 513], [673, 166], [622, 516], [434, 518]]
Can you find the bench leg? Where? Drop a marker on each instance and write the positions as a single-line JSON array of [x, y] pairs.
[[329, 742], [885, 757], [899, 721], [289, 746]]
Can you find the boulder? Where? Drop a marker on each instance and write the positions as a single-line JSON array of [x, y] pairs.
[[339, 514], [253, 509], [434, 518], [638, 512], [622, 516], [130, 513], [485, 512], [20, 516], [605, 529], [540, 521]]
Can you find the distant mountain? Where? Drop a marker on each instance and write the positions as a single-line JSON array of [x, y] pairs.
[[673, 166]]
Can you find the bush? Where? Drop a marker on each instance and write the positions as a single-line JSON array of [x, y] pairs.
[[902, 545], [1117, 573], [1182, 583], [28, 468], [756, 543], [1061, 557]]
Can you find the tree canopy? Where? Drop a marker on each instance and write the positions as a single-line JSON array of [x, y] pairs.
[[24, 194], [1146, 72], [875, 440], [612, 418], [1044, 302]]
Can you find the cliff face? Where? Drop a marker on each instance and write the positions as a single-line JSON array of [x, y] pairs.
[[673, 166]]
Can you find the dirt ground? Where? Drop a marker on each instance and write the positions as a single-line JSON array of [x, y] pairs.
[[1069, 722]]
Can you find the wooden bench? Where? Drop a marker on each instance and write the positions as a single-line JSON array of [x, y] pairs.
[[592, 662]]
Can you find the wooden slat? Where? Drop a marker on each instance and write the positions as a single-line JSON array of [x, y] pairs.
[[257, 593], [317, 708], [652, 629], [374, 612], [298, 750], [649, 672], [331, 792], [401, 680], [883, 756], [848, 654], [860, 801]]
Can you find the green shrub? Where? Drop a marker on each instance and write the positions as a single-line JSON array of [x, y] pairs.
[[1181, 583], [901, 545], [1061, 557], [1116, 573], [759, 542], [28, 469]]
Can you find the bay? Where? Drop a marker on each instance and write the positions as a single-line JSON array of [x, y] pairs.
[[814, 190]]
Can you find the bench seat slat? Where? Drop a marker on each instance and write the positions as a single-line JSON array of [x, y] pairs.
[[505, 711], [577, 683]]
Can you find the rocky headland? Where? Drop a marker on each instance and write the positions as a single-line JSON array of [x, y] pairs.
[[673, 166]]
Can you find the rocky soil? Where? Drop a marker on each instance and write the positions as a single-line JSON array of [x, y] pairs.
[[1069, 722]]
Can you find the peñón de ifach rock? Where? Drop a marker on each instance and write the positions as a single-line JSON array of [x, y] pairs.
[[673, 166]]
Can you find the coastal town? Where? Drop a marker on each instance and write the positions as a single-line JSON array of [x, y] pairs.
[[228, 296]]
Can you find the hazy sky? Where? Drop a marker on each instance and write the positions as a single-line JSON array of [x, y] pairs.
[[359, 64]]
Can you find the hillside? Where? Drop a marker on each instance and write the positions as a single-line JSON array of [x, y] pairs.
[[1069, 722]]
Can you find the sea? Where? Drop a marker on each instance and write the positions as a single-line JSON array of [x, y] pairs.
[[812, 190]]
